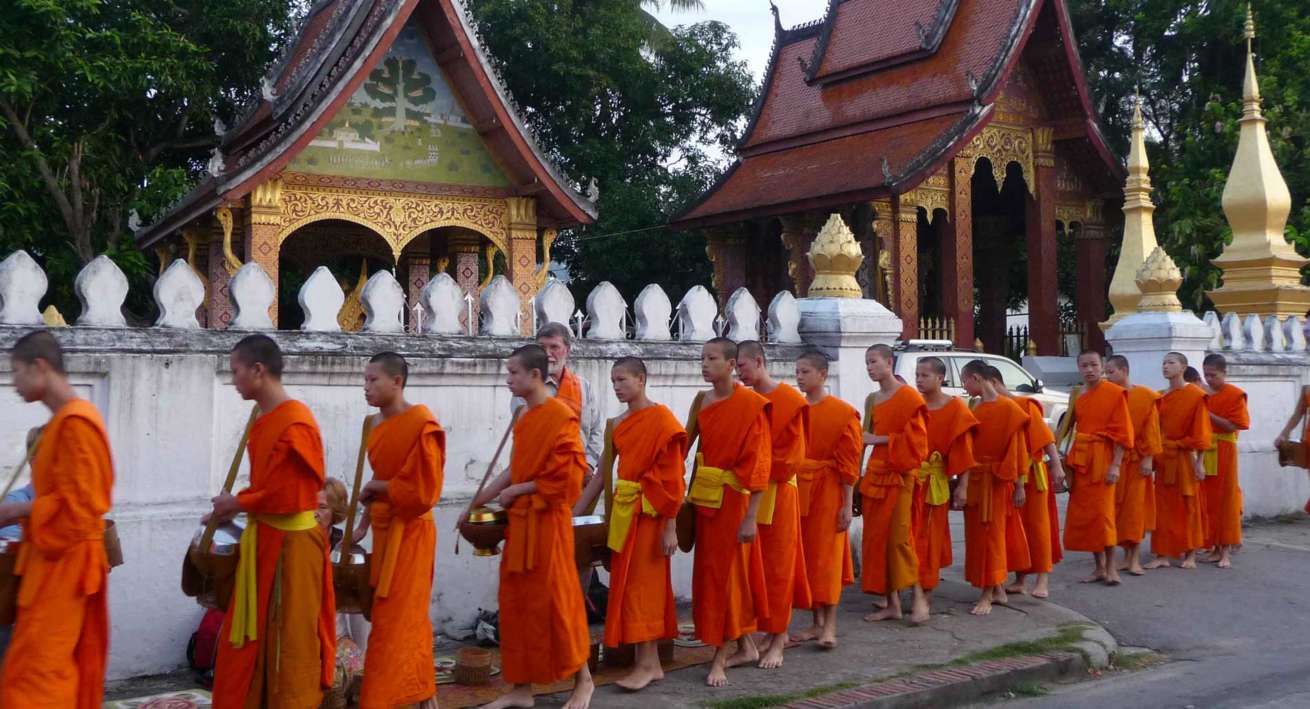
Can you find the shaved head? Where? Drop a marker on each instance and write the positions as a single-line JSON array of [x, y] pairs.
[[750, 349], [976, 368], [631, 365], [726, 347], [39, 345], [1178, 357], [934, 364], [1117, 361], [261, 350], [815, 359], [1215, 361], [883, 351], [1090, 353], [992, 374], [532, 357], [393, 364]]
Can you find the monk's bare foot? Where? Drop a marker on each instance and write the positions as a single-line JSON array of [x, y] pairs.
[[1136, 569], [717, 677], [811, 633], [746, 653], [982, 607], [884, 614], [1123, 565], [1042, 589], [1017, 587], [519, 696], [828, 638], [1225, 560], [640, 677], [1000, 597], [583, 688], [1160, 562], [1097, 577], [772, 658], [1189, 561], [1112, 578], [879, 602]]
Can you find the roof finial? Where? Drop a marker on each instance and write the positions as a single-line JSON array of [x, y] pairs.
[[777, 19], [1248, 31], [1139, 241]]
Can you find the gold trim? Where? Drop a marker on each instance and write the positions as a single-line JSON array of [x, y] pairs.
[[230, 260]]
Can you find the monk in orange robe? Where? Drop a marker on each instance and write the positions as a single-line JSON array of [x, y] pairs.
[[1298, 413], [827, 484], [407, 451], [1039, 515], [276, 649], [1179, 470], [780, 521], [543, 623], [651, 447], [728, 588], [990, 490], [59, 649], [1223, 495], [1134, 494], [1103, 432], [899, 437], [951, 427]]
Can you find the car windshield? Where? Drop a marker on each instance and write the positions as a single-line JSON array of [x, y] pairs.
[[1013, 375]]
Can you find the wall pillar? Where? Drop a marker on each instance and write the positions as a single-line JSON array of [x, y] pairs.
[[905, 268], [218, 301], [880, 266], [465, 248], [418, 270], [957, 253], [798, 234], [522, 256], [262, 224], [727, 253], [1043, 287], [1091, 294]]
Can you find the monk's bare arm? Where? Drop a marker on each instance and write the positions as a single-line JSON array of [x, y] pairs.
[[1297, 413], [872, 440], [589, 493], [748, 527], [1112, 475], [1053, 462], [669, 543], [844, 514], [961, 496], [492, 490], [1221, 424], [514, 492]]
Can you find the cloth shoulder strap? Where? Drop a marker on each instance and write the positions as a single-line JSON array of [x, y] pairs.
[[693, 430], [606, 468], [1064, 436]]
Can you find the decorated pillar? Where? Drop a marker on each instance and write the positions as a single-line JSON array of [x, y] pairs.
[[418, 270], [957, 253], [1043, 286], [798, 234], [223, 264], [726, 250], [905, 257], [1090, 296], [880, 267], [464, 248], [262, 224], [522, 256]]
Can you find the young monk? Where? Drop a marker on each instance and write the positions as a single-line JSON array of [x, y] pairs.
[[989, 490], [1134, 494], [1298, 412], [779, 516], [407, 451], [543, 623], [651, 447], [1185, 430], [827, 485], [1223, 496], [951, 427], [1103, 432], [900, 445], [60, 643], [271, 643], [728, 590]]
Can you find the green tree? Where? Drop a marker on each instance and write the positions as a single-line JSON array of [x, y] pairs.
[[399, 85], [645, 114]]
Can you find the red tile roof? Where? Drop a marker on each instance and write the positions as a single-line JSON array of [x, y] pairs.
[[905, 31]]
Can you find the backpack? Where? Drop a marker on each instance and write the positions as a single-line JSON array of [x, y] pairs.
[[202, 650]]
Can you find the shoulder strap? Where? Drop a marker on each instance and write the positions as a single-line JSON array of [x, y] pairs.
[[1067, 425], [868, 412], [207, 537], [693, 430], [18, 469], [354, 495], [606, 468]]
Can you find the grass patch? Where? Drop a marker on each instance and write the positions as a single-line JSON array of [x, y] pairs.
[[1029, 689], [1136, 661], [1062, 640], [774, 700]]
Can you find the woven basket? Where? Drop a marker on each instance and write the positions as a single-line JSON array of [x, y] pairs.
[[473, 666]]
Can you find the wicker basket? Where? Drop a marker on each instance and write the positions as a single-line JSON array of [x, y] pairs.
[[473, 666]]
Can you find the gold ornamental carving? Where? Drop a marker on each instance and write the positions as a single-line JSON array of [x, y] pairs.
[[266, 203], [835, 257], [230, 260], [547, 240], [1044, 146], [930, 198], [522, 211], [1158, 280], [490, 252], [1070, 214], [1002, 145]]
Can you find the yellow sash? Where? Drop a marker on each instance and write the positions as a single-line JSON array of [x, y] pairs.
[[245, 608], [770, 501], [707, 486], [624, 511], [1040, 475], [933, 472], [1210, 458]]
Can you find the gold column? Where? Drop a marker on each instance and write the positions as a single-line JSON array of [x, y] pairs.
[[522, 256], [263, 221]]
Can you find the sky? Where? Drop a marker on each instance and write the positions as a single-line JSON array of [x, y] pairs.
[[751, 21]]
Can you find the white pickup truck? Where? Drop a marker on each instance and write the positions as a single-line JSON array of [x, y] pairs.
[[1017, 379]]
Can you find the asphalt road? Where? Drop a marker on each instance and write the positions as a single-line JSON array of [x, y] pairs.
[[1236, 638]]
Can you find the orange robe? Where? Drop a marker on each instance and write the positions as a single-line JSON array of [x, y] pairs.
[[543, 623], [728, 591], [1102, 423], [409, 452], [950, 435], [1041, 517], [1134, 493], [833, 450], [60, 644], [1185, 429], [570, 392], [888, 561], [1001, 447], [292, 657], [651, 447], [780, 539], [1223, 496]]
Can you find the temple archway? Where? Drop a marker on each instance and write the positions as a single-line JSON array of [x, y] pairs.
[[350, 250]]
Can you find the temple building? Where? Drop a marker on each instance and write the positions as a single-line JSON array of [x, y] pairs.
[[383, 139], [957, 140]]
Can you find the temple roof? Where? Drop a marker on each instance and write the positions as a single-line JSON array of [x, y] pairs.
[[880, 93], [338, 43]]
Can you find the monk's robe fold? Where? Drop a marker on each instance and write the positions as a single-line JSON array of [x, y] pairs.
[[888, 562], [1184, 430], [570, 391], [950, 453], [833, 450], [1223, 495], [651, 447], [290, 660], [60, 644], [780, 537], [408, 451], [1040, 516], [543, 623], [1001, 448], [1134, 493], [1102, 423], [728, 590]]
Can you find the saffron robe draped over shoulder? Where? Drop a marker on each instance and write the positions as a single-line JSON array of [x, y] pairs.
[[1184, 430], [833, 450], [888, 561], [409, 452], [1102, 423], [780, 538], [950, 452], [1001, 447], [1135, 493], [291, 660], [728, 590], [1041, 517], [60, 644], [651, 447], [1223, 495], [543, 623]]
